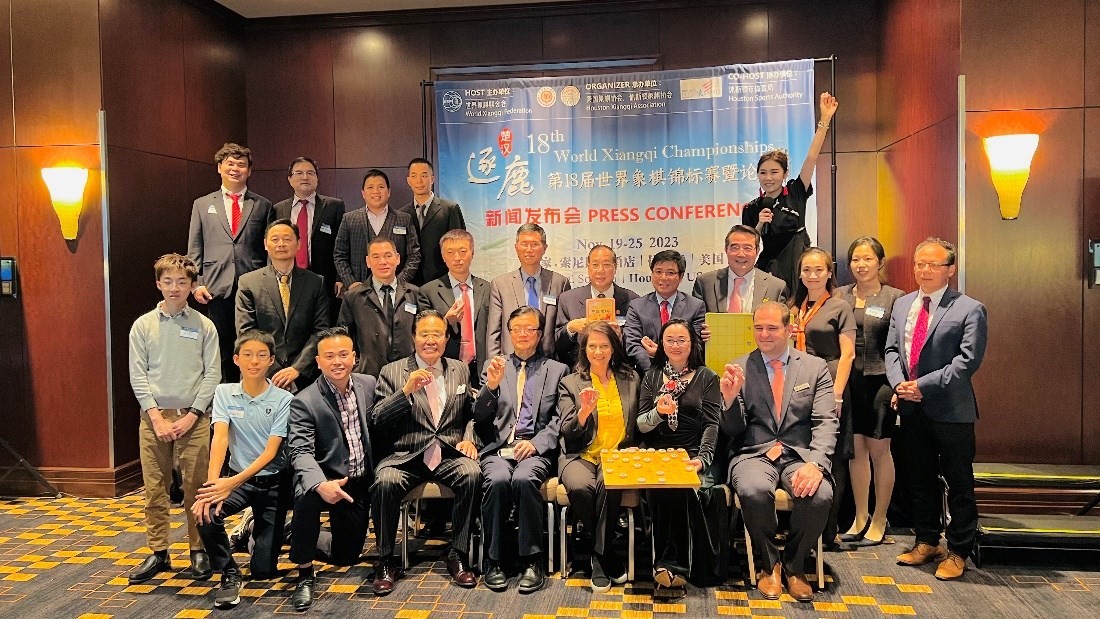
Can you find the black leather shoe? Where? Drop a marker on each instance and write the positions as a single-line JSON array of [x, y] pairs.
[[385, 577], [200, 565], [461, 574], [532, 579], [495, 579], [303, 594], [151, 566]]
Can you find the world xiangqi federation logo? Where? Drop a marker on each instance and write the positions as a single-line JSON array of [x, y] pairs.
[[452, 102]]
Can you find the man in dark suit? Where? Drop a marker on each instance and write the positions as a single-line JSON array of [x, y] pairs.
[[375, 219], [529, 285], [463, 300], [751, 286], [330, 452], [288, 302], [226, 240], [433, 216], [935, 345], [516, 422], [572, 304], [780, 411], [380, 313], [318, 219], [646, 315], [423, 405]]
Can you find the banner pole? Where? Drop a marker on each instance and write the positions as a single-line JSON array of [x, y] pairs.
[[424, 118], [832, 157]]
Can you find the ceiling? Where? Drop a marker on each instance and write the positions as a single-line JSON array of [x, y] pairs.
[[280, 8]]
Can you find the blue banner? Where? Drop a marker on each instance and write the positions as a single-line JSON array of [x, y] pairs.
[[638, 161]]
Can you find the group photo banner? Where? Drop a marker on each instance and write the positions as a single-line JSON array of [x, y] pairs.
[[641, 162]]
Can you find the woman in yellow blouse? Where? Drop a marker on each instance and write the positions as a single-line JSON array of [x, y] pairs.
[[599, 409]]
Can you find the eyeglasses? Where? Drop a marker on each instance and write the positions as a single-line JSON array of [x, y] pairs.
[[431, 337], [926, 266], [601, 266], [666, 274], [524, 330], [301, 174], [529, 244], [677, 343], [247, 356], [741, 249]]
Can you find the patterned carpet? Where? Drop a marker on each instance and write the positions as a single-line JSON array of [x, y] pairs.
[[68, 558]]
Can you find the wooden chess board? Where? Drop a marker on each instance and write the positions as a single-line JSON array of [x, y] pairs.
[[647, 469]]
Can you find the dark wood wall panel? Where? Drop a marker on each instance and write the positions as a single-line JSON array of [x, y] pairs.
[[55, 64], [214, 74], [1092, 52], [1090, 229], [7, 109], [143, 88], [857, 203], [510, 41], [1020, 54], [743, 39], [1040, 248], [617, 34], [349, 186]]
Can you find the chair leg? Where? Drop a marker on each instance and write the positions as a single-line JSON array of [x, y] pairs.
[[752, 561], [404, 528], [550, 538], [630, 544], [820, 564], [564, 555]]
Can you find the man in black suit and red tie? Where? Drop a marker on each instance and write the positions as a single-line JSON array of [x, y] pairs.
[[434, 217], [375, 219], [226, 240], [573, 303], [423, 405], [318, 219]]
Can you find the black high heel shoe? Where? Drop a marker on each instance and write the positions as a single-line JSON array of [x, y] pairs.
[[849, 538]]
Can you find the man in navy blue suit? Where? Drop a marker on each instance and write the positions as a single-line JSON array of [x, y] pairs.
[[935, 345]]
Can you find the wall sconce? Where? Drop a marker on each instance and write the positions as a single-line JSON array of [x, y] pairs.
[[66, 186], [1010, 165]]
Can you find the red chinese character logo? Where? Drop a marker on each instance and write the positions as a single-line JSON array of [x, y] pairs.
[[504, 140]]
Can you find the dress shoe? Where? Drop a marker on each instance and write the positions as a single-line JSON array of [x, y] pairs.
[[200, 565], [770, 584], [532, 579], [151, 566], [461, 574], [495, 579], [848, 538], [665, 577], [385, 577], [951, 568], [800, 588], [922, 553], [303, 594]]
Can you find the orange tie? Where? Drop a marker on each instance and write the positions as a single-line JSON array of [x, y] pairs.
[[777, 399]]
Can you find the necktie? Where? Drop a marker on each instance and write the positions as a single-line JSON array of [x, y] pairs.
[[532, 293], [467, 351], [601, 296], [387, 303], [422, 212], [284, 292], [735, 296], [777, 400], [433, 455], [521, 384], [302, 259], [920, 334], [235, 217], [664, 312]]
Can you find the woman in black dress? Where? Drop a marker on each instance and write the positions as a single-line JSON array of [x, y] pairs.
[[780, 211], [873, 418], [679, 409], [825, 327]]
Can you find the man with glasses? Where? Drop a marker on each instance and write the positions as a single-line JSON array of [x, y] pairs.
[[935, 345], [530, 285], [649, 313], [740, 287], [573, 304]]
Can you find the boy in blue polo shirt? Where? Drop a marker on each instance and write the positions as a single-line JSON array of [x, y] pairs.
[[250, 422]]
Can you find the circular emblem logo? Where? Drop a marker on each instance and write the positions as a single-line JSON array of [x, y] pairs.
[[546, 96], [451, 101], [570, 95]]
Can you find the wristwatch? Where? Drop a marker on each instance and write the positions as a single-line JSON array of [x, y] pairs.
[[819, 468], [197, 412]]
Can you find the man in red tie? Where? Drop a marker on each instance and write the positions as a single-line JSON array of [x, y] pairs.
[[935, 344], [647, 314], [779, 412], [318, 218], [226, 240]]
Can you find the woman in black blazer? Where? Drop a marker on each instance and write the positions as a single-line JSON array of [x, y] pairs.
[[599, 409], [873, 418]]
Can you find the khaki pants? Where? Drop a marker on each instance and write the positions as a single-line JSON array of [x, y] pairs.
[[192, 451]]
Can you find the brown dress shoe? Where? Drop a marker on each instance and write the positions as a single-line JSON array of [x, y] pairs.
[[385, 577], [770, 585], [922, 553], [460, 574], [800, 588], [951, 568]]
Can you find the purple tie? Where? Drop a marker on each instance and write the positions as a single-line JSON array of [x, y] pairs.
[[920, 334]]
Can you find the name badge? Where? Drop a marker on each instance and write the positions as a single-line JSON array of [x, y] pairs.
[[874, 311], [327, 229], [461, 389], [212, 210], [621, 320], [399, 229], [410, 308], [802, 387], [549, 300], [236, 412], [190, 333]]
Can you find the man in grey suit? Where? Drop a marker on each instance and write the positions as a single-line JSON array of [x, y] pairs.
[[318, 219], [423, 406], [288, 302], [375, 219], [646, 315], [463, 300], [516, 423], [330, 452], [434, 217], [751, 285], [572, 304], [226, 240], [935, 344], [529, 285], [380, 313], [780, 413]]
